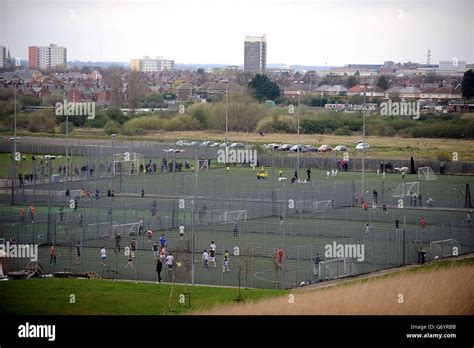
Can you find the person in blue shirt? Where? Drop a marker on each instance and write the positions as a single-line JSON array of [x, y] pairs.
[[163, 241]]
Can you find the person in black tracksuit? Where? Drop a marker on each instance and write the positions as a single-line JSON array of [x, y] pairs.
[[159, 267]]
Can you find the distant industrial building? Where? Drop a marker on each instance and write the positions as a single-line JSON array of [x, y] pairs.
[[255, 54], [452, 67]]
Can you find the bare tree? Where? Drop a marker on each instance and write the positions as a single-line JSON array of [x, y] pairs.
[[116, 96], [135, 90]]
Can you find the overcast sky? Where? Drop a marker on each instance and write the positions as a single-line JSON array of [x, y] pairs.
[[309, 32]]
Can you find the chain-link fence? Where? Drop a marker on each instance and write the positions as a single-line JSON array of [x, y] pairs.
[[248, 219]]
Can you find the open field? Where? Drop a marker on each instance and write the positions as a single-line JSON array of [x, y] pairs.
[[103, 297], [440, 288], [380, 147]]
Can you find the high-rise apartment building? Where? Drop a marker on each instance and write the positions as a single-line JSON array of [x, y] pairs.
[[255, 54], [45, 57], [3, 56], [147, 64]]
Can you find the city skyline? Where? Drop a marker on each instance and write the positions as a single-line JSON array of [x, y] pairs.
[[315, 33]]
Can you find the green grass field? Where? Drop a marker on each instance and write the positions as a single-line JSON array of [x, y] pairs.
[[103, 297]]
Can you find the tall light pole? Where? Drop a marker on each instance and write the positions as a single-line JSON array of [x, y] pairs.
[[192, 243], [50, 169], [298, 145], [113, 159], [226, 112], [14, 146], [13, 140], [363, 142], [67, 151]]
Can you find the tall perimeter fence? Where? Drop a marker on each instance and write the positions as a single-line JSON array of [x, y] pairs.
[[248, 220]]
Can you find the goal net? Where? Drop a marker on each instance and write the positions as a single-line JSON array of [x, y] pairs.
[[322, 206], [444, 248], [130, 229], [335, 268], [126, 163], [203, 164], [405, 189], [72, 193], [426, 173], [239, 215]]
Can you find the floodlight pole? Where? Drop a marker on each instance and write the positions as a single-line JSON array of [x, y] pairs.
[[298, 145], [363, 143], [226, 112], [113, 159], [67, 150], [14, 147], [50, 161], [192, 243]]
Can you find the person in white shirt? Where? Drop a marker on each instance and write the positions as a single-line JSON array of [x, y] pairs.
[[103, 256], [367, 229], [169, 264], [181, 231], [205, 259], [213, 245], [212, 257]]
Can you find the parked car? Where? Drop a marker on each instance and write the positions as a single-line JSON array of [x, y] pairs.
[[214, 145], [271, 146], [325, 148], [182, 143], [224, 144], [284, 147], [206, 143], [340, 148], [361, 146], [173, 150], [237, 146], [310, 148], [194, 143], [302, 148]]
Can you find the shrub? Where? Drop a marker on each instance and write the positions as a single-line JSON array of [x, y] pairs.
[[182, 123], [112, 127]]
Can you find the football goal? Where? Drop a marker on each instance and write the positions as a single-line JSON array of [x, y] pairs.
[[130, 229], [444, 248], [335, 268], [203, 164], [407, 189], [127, 163], [72, 193], [322, 206], [426, 173], [239, 215]]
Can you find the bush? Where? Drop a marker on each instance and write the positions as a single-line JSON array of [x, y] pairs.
[[112, 127], [42, 121], [344, 130], [182, 123], [99, 121], [62, 127]]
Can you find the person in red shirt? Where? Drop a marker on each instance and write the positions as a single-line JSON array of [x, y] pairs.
[[149, 234], [52, 255], [279, 257], [364, 205], [423, 223]]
